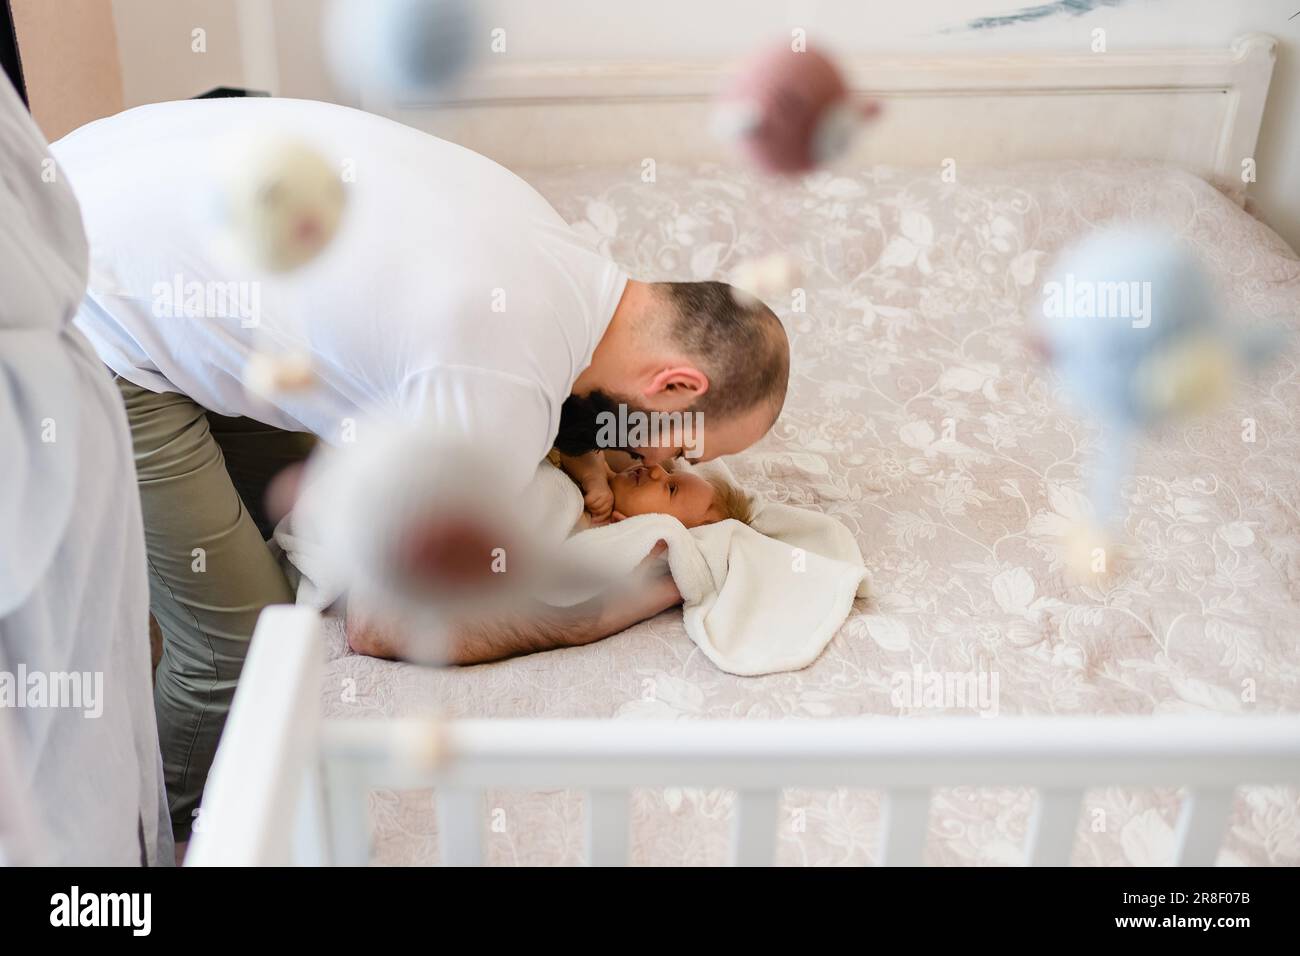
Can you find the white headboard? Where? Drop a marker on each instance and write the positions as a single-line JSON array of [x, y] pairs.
[[1196, 109]]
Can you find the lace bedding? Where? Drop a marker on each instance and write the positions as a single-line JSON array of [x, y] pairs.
[[917, 416]]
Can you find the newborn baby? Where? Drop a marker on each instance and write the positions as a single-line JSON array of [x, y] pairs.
[[609, 495]]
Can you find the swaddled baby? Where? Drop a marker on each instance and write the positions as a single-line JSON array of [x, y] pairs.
[[610, 495]]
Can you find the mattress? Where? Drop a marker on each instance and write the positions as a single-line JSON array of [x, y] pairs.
[[919, 418]]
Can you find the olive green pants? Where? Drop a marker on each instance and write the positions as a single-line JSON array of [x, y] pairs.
[[202, 480]]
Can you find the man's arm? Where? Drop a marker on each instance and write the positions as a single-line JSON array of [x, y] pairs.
[[490, 640], [544, 628]]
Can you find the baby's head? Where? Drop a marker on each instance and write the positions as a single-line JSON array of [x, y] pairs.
[[689, 498]]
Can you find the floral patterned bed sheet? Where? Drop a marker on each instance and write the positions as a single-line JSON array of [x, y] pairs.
[[918, 416]]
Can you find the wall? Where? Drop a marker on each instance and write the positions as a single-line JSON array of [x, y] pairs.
[[157, 48], [157, 63], [70, 62]]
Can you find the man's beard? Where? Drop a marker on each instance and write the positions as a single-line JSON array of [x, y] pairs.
[[579, 421]]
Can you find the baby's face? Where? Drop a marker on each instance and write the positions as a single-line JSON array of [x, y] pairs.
[[648, 489]]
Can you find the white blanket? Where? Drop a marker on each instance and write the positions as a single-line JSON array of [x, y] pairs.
[[757, 599]]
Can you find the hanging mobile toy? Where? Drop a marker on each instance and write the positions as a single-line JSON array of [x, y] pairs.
[[400, 49], [790, 111], [281, 206], [1130, 323]]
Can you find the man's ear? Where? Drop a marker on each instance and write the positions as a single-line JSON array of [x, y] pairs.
[[678, 386]]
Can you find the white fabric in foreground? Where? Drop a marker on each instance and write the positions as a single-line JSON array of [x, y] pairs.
[[82, 777], [757, 599]]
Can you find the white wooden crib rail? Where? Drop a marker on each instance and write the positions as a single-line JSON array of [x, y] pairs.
[[289, 787]]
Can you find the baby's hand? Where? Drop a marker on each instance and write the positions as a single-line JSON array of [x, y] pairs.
[[598, 499]]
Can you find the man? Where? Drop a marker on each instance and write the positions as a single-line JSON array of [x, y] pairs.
[[453, 296], [82, 781]]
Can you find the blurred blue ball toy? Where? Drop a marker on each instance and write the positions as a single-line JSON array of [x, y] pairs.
[[1131, 324], [402, 49]]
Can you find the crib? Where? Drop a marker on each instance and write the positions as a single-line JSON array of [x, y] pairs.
[[294, 780], [288, 787]]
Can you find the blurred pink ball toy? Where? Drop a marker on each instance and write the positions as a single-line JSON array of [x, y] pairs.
[[790, 111]]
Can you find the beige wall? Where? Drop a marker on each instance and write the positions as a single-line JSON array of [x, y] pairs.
[[70, 61], [157, 43]]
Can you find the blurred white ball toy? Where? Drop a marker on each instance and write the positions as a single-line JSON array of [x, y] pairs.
[[283, 203], [417, 525], [769, 277], [403, 49], [424, 528]]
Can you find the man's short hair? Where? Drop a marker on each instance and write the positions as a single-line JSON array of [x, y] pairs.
[[737, 341]]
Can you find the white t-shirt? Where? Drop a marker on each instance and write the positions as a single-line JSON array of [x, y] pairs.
[[452, 293]]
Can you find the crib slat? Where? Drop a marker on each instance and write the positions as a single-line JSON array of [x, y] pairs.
[[753, 828], [607, 827], [310, 839], [347, 802], [903, 828], [1052, 826], [460, 826], [1201, 825]]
